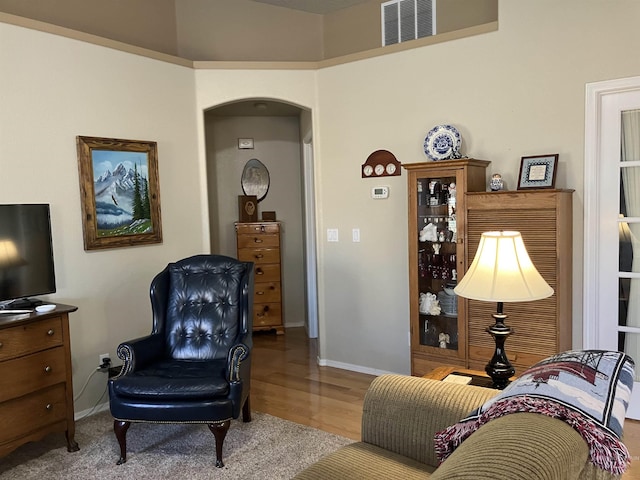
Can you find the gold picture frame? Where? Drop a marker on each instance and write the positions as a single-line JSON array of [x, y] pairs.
[[119, 192]]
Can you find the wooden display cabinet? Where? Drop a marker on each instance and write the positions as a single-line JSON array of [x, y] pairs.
[[437, 258], [543, 327]]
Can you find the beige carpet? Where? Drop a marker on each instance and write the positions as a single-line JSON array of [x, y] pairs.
[[266, 448]]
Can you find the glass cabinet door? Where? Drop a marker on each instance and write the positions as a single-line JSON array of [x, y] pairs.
[[436, 256]]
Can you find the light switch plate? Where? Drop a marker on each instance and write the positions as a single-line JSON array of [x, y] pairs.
[[332, 234]]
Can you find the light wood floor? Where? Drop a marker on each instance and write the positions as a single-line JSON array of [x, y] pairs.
[[288, 383]]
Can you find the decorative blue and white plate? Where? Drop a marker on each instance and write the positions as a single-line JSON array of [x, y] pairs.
[[443, 142]]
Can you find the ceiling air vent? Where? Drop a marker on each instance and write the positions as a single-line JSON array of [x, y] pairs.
[[404, 20]]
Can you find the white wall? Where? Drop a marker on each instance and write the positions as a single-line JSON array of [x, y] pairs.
[[515, 92], [518, 91], [52, 89]]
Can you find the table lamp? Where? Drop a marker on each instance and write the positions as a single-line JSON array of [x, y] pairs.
[[502, 272]]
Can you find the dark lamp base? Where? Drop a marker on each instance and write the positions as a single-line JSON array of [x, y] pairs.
[[499, 368], [500, 374]]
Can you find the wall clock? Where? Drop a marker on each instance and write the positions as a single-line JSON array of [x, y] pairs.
[[381, 163]]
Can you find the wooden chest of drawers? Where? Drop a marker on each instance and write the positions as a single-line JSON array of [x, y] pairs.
[[36, 391], [259, 242]]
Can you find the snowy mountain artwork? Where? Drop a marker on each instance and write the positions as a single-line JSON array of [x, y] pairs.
[[121, 190]]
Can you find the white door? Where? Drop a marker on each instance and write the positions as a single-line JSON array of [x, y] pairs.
[[612, 222]]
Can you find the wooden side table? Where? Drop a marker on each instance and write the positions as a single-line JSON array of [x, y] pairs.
[[478, 377]]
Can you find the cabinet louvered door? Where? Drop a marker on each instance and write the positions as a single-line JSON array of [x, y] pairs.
[[543, 327]]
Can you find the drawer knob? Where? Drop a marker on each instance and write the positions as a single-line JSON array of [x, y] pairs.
[[49, 407], [48, 369], [0, 344], [258, 240], [259, 293], [259, 271], [259, 255], [50, 332]]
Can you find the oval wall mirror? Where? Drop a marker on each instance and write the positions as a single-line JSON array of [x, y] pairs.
[[255, 179]]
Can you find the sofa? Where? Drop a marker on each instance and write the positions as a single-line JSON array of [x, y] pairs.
[[401, 415]]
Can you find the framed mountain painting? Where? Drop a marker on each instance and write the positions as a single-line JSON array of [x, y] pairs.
[[120, 192]]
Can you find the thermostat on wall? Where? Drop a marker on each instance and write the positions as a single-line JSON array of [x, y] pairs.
[[380, 192]]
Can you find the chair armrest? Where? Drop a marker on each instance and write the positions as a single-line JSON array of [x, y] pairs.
[[238, 363], [138, 353], [403, 413]]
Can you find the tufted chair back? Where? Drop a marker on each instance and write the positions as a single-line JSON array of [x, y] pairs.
[[195, 366], [203, 307]]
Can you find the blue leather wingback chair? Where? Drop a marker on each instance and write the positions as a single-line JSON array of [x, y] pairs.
[[195, 367]]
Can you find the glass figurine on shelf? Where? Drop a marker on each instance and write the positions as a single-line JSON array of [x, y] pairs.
[[451, 200]]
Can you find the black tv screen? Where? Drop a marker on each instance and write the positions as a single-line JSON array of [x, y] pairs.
[[26, 252]]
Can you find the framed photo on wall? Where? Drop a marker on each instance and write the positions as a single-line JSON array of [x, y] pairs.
[[120, 192], [538, 171]]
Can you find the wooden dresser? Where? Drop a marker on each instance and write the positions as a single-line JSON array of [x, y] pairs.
[[36, 390], [259, 242]]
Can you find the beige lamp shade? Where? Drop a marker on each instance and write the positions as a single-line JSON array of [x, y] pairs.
[[502, 271]]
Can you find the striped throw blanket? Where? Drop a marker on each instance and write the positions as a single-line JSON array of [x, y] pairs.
[[588, 389]]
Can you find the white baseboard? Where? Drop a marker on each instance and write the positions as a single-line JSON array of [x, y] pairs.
[[293, 325], [351, 367]]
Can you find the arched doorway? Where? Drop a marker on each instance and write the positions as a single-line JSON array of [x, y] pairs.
[[279, 135]]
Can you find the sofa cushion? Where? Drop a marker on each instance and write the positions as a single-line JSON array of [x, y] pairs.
[[363, 461], [175, 380], [522, 446]]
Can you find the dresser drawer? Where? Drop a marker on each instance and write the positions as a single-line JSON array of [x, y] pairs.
[[266, 292], [25, 415], [259, 256], [267, 314], [267, 272], [259, 240], [30, 337], [27, 374], [252, 228]]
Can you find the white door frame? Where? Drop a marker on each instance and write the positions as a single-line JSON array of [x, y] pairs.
[[604, 103], [593, 195], [311, 270]]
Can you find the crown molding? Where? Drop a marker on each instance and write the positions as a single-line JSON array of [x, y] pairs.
[[245, 65]]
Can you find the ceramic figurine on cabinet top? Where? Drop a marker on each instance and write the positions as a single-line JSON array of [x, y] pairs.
[[496, 183]]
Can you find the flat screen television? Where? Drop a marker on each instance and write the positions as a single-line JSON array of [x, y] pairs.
[[26, 255]]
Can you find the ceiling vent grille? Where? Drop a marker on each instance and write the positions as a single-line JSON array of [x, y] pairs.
[[404, 20]]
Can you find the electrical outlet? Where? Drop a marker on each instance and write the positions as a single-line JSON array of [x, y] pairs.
[[102, 357]]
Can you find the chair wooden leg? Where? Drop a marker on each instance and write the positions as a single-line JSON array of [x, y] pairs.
[[246, 410], [219, 431], [120, 428]]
